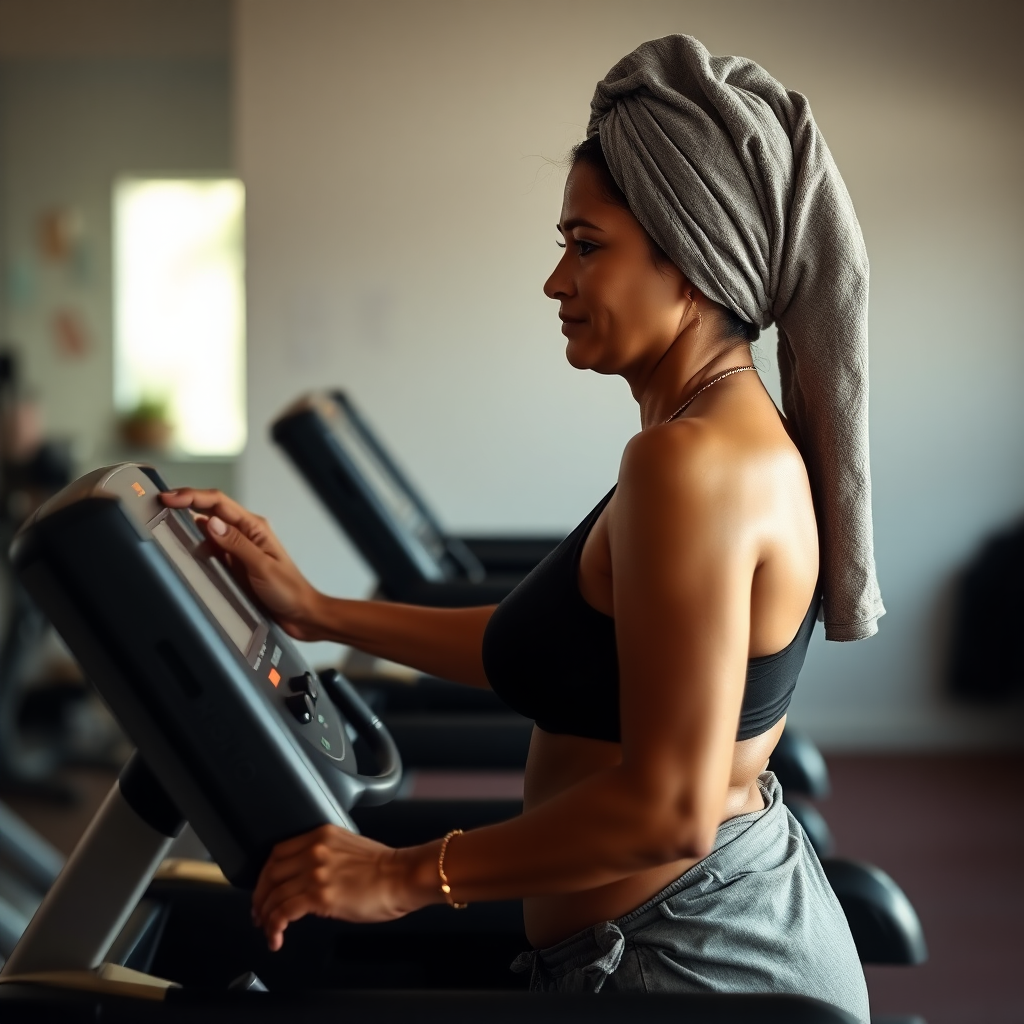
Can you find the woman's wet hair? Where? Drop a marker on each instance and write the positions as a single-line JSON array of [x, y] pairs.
[[589, 152]]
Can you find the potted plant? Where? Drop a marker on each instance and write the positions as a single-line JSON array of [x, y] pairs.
[[148, 425]]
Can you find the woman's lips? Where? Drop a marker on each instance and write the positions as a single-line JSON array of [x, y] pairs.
[[569, 323]]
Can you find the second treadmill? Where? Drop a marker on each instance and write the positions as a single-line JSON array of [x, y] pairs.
[[397, 533]]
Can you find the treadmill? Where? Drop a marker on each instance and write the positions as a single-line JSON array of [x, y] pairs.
[[415, 560], [236, 735]]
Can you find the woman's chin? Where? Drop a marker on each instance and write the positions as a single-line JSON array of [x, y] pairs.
[[583, 357], [579, 355], [574, 360]]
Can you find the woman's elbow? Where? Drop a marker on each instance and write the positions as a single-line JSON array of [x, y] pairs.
[[686, 833], [694, 839], [699, 841]]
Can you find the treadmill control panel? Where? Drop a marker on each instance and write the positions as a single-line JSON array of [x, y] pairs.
[[275, 665]]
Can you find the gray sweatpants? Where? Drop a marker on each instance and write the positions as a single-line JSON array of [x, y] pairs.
[[756, 915]]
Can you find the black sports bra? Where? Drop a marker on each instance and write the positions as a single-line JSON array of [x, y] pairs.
[[552, 657]]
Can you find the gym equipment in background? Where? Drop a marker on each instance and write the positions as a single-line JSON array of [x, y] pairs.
[[30, 470], [387, 519], [46, 721], [985, 664], [235, 735], [803, 775], [29, 865], [395, 531]]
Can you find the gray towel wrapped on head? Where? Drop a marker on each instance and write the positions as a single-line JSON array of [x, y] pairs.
[[728, 172]]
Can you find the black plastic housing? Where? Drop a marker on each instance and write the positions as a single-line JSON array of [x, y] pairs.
[[222, 746]]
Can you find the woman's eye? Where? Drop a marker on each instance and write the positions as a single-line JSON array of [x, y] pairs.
[[583, 248]]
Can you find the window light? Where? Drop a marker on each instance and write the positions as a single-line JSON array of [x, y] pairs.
[[180, 307]]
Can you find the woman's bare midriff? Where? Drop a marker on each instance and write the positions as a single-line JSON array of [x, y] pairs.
[[557, 762]]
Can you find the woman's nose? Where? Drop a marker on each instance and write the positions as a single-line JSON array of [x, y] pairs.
[[559, 285]]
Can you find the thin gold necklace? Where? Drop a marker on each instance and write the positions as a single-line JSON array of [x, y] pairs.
[[714, 380]]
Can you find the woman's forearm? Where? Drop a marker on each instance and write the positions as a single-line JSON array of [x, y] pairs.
[[443, 642], [599, 831]]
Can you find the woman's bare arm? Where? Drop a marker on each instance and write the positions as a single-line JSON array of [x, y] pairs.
[[445, 642], [682, 570]]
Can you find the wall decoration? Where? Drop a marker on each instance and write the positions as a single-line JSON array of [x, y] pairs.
[[70, 336], [60, 231]]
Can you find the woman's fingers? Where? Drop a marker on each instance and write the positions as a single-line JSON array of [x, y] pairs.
[[292, 856], [313, 885], [329, 872], [234, 542], [193, 497], [278, 870], [291, 910], [252, 552], [216, 504], [272, 875]]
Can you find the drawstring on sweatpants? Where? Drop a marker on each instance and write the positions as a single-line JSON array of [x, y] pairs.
[[609, 940]]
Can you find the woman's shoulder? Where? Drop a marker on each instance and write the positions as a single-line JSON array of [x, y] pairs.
[[687, 453], [670, 484], [699, 462]]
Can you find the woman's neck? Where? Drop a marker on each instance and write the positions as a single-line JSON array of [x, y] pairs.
[[681, 371]]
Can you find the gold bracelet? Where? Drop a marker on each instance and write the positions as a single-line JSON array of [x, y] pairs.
[[445, 887]]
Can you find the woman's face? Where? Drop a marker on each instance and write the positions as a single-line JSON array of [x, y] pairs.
[[620, 311]]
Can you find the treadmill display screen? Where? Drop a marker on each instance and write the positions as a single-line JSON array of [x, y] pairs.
[[212, 585], [422, 539]]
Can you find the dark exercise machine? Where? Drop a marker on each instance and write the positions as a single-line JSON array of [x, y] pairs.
[[29, 865], [415, 560], [236, 735], [43, 721], [28, 757]]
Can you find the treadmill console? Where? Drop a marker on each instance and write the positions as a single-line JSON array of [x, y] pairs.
[[275, 665], [248, 742]]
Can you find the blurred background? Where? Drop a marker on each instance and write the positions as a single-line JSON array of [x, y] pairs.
[[207, 208]]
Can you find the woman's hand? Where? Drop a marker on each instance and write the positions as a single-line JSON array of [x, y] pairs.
[[256, 557], [331, 872]]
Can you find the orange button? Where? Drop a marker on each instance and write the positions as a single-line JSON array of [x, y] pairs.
[[274, 676], [138, 489]]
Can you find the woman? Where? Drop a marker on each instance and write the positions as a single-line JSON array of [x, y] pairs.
[[658, 646]]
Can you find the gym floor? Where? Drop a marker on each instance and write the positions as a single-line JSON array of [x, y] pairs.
[[949, 829]]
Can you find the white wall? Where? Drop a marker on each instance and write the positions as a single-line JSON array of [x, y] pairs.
[[401, 210], [68, 128]]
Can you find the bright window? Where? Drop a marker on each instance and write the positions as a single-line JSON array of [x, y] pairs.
[[180, 307]]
